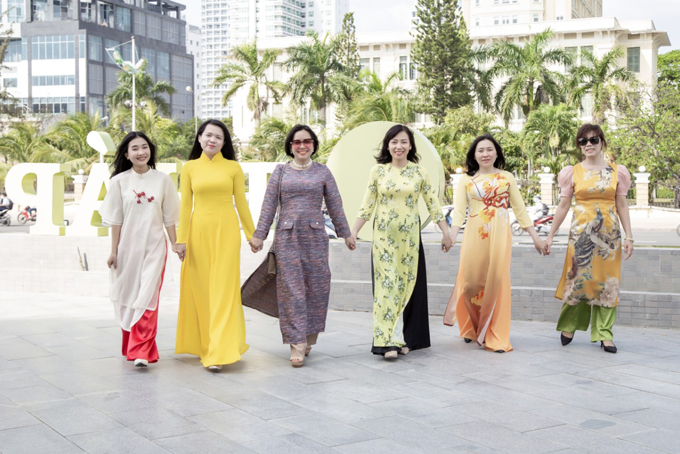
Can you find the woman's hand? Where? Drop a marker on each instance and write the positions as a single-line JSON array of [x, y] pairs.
[[628, 248], [256, 244], [351, 243], [181, 250], [112, 261], [541, 246], [548, 244], [447, 242]]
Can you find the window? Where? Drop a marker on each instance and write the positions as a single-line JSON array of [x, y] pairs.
[[496, 20], [363, 63], [16, 50], [163, 66], [53, 47], [61, 9], [412, 72], [123, 20], [94, 48], [46, 81], [634, 59], [376, 66], [88, 13], [153, 27], [16, 11], [476, 21], [112, 45], [39, 10], [106, 17], [96, 106], [514, 19], [150, 56], [536, 18], [559, 18], [140, 23], [54, 105], [505, 20], [477, 2], [170, 32], [10, 82], [573, 52], [403, 67]]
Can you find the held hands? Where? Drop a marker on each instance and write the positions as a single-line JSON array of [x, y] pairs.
[[351, 242], [112, 261], [541, 246], [181, 250], [447, 243], [548, 244], [255, 244]]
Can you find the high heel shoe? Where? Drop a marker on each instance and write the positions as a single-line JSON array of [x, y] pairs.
[[566, 340], [607, 348], [467, 341]]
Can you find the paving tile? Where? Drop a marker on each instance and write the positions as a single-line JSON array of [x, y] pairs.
[[653, 418], [505, 416], [378, 446], [13, 417], [592, 420], [238, 426], [665, 440], [505, 440], [155, 422], [71, 417], [266, 406], [42, 440], [288, 444], [77, 382], [201, 443], [36, 394], [187, 402], [589, 442], [323, 429], [49, 340], [115, 401], [409, 433], [116, 441], [20, 350]]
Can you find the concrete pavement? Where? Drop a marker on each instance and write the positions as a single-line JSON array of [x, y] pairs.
[[64, 388]]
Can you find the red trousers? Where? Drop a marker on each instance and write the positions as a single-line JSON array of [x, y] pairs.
[[140, 342]]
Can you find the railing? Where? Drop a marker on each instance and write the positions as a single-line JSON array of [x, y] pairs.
[[664, 194]]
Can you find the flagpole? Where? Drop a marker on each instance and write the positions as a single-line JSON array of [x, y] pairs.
[[134, 101]]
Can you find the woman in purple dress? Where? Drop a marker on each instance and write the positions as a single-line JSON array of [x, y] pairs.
[[303, 277]]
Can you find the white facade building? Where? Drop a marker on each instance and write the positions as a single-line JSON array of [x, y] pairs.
[[194, 48], [228, 23], [486, 13]]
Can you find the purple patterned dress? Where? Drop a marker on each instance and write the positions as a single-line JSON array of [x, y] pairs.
[[303, 277]]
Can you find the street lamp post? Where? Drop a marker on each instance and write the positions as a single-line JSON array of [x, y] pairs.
[[131, 67], [191, 90]]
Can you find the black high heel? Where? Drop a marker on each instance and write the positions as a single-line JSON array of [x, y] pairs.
[[566, 340], [467, 341], [608, 349]]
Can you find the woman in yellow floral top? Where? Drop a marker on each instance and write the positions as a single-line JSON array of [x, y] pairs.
[[395, 185], [592, 267], [481, 295]]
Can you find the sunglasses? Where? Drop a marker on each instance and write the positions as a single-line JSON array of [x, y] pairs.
[[297, 143], [582, 141]]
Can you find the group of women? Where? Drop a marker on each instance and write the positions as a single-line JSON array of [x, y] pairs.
[[142, 204]]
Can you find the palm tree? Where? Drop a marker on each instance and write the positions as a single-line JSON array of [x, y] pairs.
[[22, 143], [380, 101], [527, 81], [68, 142], [549, 132], [146, 90], [596, 76], [318, 74], [250, 69], [268, 140]]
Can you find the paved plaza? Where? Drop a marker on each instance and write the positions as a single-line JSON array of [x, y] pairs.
[[66, 389]]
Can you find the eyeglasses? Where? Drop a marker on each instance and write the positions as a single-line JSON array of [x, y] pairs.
[[297, 143], [582, 141]]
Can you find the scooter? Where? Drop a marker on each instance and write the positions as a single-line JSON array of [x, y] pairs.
[[542, 225], [27, 214], [5, 218]]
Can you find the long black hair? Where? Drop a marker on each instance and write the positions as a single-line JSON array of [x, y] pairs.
[[471, 163], [291, 135], [227, 149], [121, 163], [384, 157]]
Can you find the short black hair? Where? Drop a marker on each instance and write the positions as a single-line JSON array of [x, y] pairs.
[[384, 157], [227, 149], [121, 163], [471, 163], [588, 128], [291, 134]]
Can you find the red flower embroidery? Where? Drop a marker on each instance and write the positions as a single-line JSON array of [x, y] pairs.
[[150, 199], [142, 194]]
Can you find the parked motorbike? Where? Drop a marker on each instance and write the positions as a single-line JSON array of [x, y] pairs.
[[542, 225], [5, 218], [27, 214]]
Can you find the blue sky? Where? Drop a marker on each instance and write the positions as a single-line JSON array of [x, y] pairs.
[[384, 15]]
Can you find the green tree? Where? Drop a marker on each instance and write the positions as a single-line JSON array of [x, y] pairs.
[[348, 51], [549, 134], [318, 75], [250, 69], [146, 90], [648, 133], [442, 55], [527, 80], [380, 101], [668, 67], [267, 144], [597, 76]]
